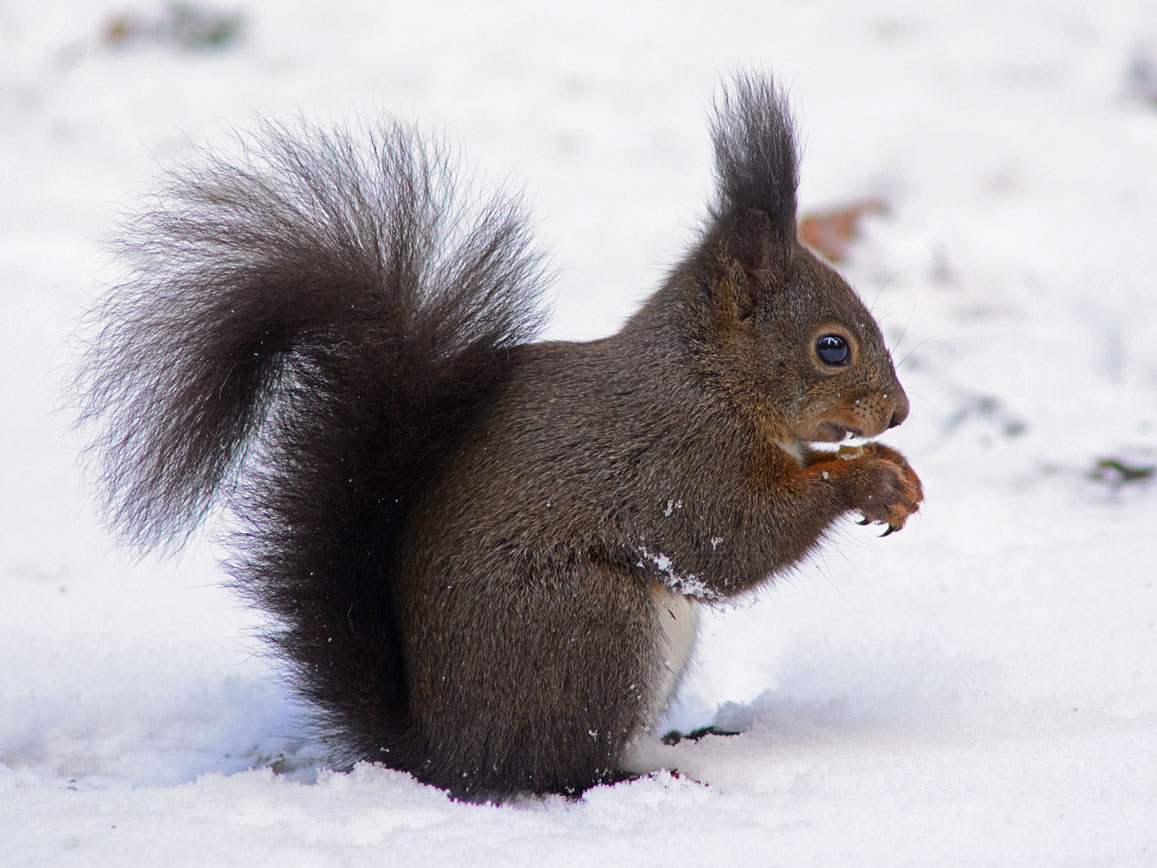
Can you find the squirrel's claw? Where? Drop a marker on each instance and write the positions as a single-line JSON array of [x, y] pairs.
[[891, 529]]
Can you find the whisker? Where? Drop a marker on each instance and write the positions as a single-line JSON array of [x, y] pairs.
[[926, 340]]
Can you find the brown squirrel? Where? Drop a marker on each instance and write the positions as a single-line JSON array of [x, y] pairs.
[[483, 554]]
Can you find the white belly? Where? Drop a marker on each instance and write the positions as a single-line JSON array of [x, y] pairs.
[[679, 618]]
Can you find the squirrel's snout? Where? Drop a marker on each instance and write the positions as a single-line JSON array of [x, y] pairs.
[[900, 411], [872, 415]]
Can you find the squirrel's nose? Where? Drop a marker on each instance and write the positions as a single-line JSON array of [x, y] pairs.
[[900, 413]]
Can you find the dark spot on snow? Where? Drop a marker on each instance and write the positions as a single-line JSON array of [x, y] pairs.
[[187, 26], [1118, 471]]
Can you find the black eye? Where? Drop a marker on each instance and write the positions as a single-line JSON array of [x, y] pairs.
[[833, 350]]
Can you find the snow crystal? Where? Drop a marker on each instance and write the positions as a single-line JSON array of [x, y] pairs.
[[687, 584]]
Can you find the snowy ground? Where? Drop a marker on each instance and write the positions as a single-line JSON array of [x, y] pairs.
[[979, 690]]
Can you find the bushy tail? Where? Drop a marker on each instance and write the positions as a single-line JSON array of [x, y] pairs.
[[305, 331]]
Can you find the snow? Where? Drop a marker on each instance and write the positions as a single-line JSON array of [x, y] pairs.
[[979, 689], [688, 584]]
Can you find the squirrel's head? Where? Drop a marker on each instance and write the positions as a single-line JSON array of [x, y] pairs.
[[773, 327]]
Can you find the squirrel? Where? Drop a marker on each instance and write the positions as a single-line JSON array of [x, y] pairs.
[[483, 555]]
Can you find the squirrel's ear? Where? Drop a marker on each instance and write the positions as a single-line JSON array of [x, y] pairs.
[[748, 255], [749, 243], [757, 170]]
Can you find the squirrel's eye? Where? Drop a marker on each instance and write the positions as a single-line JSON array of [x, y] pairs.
[[833, 350]]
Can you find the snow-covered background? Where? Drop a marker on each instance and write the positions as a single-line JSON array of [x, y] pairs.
[[978, 690]]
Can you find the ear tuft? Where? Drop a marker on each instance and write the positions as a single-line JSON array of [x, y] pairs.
[[756, 158]]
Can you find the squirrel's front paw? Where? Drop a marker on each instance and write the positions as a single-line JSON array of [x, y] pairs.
[[888, 490]]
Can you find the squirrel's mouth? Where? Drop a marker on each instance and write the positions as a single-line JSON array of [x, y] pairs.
[[822, 434], [835, 427], [834, 432]]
